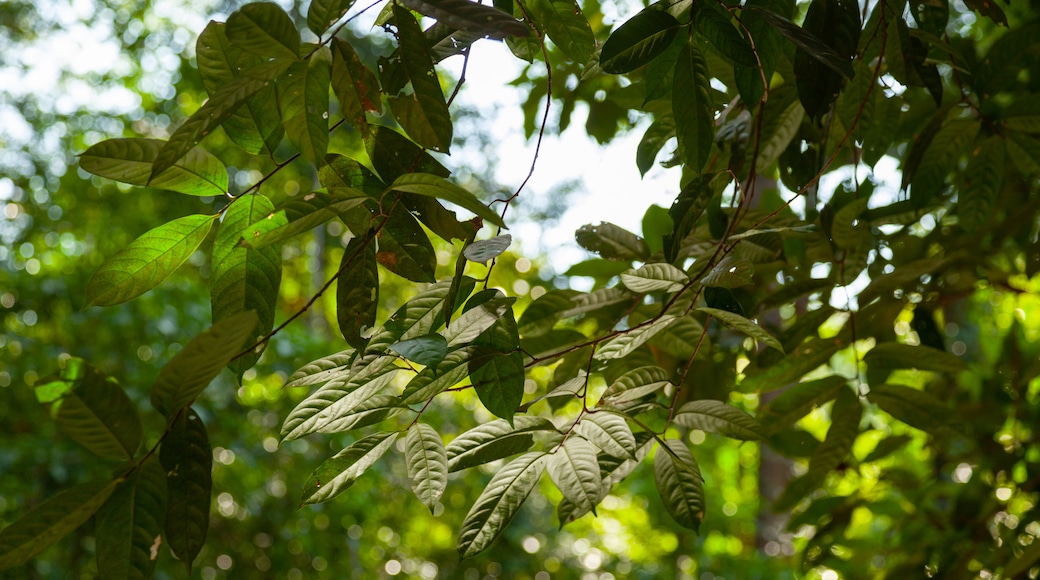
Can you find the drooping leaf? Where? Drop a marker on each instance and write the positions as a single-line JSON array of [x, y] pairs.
[[196, 365], [685, 211], [845, 417], [657, 135], [130, 161], [50, 521], [738, 322], [657, 277], [939, 159], [612, 470], [894, 355], [427, 463], [432, 380], [471, 17], [718, 417], [264, 28], [730, 272], [800, 361], [680, 484], [244, 279], [129, 526], [781, 121], [423, 114], [404, 248], [426, 350], [256, 126], [324, 13], [806, 41], [692, 108], [564, 23], [489, 249], [419, 316], [499, 503], [798, 400], [92, 409], [339, 472], [436, 186], [147, 261], [991, 10], [474, 321], [983, 180], [300, 214], [575, 471], [916, 408], [836, 23], [218, 109], [186, 456], [356, 87], [609, 432], [303, 93], [623, 344], [499, 382], [495, 440], [357, 291], [638, 41], [322, 370], [612, 242], [335, 400], [715, 24]]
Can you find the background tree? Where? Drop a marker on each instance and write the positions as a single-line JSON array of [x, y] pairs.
[[880, 339]]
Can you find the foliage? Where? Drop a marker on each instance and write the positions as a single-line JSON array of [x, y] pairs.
[[881, 342]]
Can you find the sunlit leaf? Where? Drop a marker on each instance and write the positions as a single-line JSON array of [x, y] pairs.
[[130, 161], [50, 521], [609, 432], [621, 345], [92, 409], [489, 249], [147, 261], [476, 320], [658, 277], [636, 383], [322, 370], [575, 471], [264, 28], [427, 463], [718, 417], [186, 456], [300, 214], [196, 365], [798, 400], [338, 473], [499, 503], [914, 407], [680, 484], [495, 440], [612, 470], [129, 526]]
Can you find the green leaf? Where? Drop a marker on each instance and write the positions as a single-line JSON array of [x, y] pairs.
[[1024, 152], [404, 248], [426, 350], [50, 521], [658, 277], [623, 344], [564, 24], [356, 87], [339, 472], [655, 138], [218, 109], [612, 470], [638, 41], [982, 182], [303, 93], [730, 272], [692, 108], [244, 279], [357, 291], [419, 316], [918, 409], [848, 231], [805, 358], [432, 380], [92, 409], [716, 25], [300, 214], [423, 114], [542, 314], [575, 471], [679, 483], [471, 17], [836, 23], [186, 456], [427, 463], [940, 158], [609, 432], [845, 417], [484, 250], [322, 370], [129, 526], [130, 161], [147, 261], [340, 173], [1024, 560], [738, 322], [199, 362], [476, 320], [781, 121], [893, 355], [636, 383], [718, 417], [685, 211], [806, 41], [495, 440], [264, 28], [612, 242], [991, 10], [332, 402], [499, 382], [324, 13], [499, 503], [798, 400], [435, 186], [256, 126], [374, 409]]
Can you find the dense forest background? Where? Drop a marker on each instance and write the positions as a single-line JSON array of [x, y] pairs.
[[835, 364]]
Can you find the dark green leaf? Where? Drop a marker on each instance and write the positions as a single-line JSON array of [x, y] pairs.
[[471, 17], [845, 417], [404, 248], [147, 261], [495, 440], [300, 214], [718, 417], [499, 382], [638, 41], [692, 108], [730, 272], [893, 355], [805, 358], [264, 28], [338, 473], [982, 182], [563, 22], [835, 23], [612, 242], [738, 322], [188, 460], [426, 350], [419, 316], [435, 186], [199, 362], [130, 161], [716, 25], [916, 408], [356, 87], [798, 400], [324, 13], [357, 291], [680, 484], [129, 526], [499, 503], [244, 279], [806, 41], [303, 93], [423, 114]]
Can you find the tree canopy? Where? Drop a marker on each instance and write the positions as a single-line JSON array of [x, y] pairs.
[[258, 322]]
